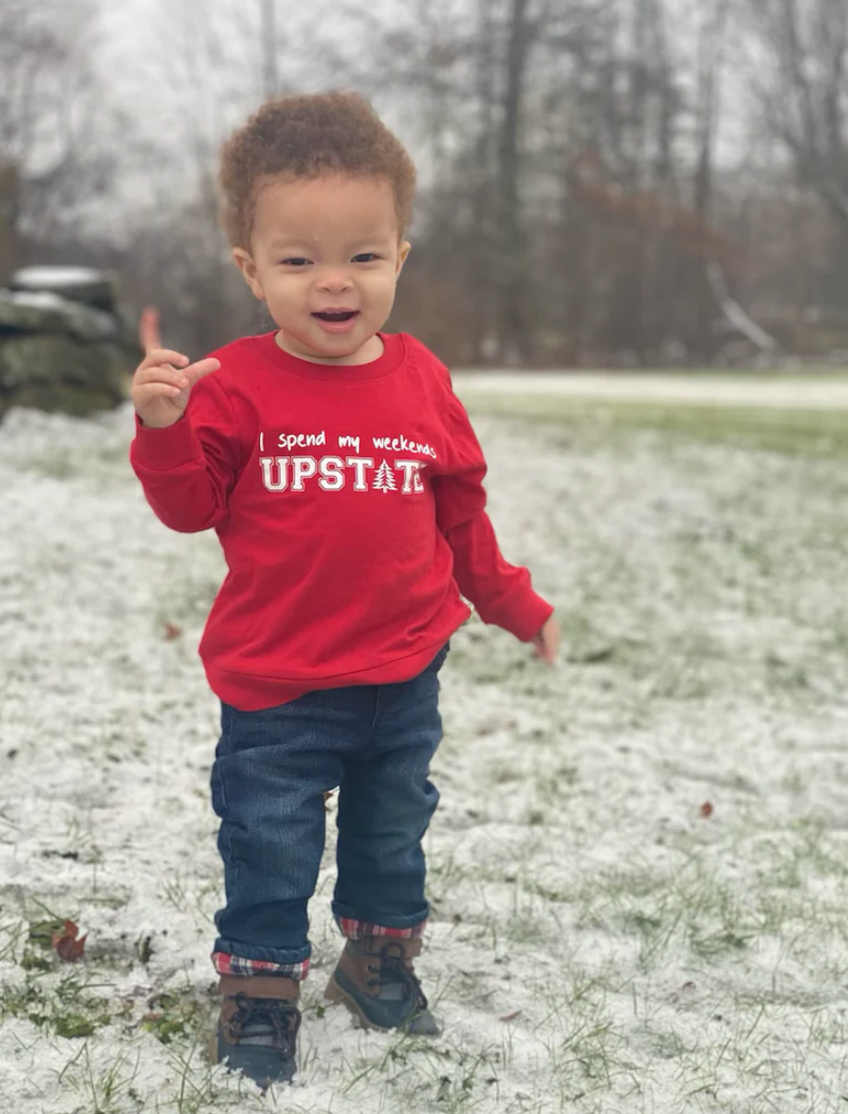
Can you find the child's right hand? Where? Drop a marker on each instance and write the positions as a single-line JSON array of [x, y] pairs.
[[162, 384]]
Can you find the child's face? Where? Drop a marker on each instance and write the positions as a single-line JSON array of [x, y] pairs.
[[325, 256]]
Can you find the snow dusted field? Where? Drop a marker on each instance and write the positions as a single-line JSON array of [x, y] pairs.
[[639, 870]]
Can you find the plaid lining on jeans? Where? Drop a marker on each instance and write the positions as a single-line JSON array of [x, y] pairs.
[[226, 964], [356, 930], [235, 965]]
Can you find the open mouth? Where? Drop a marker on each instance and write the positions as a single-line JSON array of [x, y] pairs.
[[337, 321], [337, 316]]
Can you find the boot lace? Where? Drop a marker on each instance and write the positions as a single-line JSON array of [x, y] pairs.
[[266, 1020], [394, 969]]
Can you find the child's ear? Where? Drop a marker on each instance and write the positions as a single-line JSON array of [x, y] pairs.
[[244, 262], [404, 249]]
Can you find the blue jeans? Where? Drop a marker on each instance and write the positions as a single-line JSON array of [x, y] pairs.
[[272, 767]]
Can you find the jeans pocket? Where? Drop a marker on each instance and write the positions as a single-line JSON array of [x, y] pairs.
[[439, 660]]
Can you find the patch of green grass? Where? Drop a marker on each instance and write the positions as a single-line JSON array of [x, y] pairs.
[[65, 1009], [109, 1090], [689, 909], [558, 780], [586, 423], [432, 1076], [713, 945], [581, 1036], [666, 1044], [38, 951], [175, 1016]]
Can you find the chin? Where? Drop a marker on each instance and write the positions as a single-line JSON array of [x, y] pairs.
[[344, 344], [323, 346], [337, 351]]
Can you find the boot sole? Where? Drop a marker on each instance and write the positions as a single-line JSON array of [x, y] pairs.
[[212, 1057], [335, 993]]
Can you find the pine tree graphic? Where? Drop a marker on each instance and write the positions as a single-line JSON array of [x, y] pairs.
[[385, 479]]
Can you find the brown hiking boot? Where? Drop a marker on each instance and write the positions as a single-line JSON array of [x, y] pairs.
[[257, 1029], [375, 980]]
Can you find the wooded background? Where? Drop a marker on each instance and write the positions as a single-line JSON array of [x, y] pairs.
[[603, 182]]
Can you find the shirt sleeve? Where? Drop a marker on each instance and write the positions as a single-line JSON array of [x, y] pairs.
[[502, 593], [188, 470]]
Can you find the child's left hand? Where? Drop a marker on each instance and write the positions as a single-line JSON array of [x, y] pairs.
[[547, 641]]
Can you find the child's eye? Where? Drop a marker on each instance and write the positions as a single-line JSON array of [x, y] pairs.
[[295, 261], [365, 257]]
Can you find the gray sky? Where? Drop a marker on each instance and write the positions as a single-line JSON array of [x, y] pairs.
[[188, 71], [199, 64]]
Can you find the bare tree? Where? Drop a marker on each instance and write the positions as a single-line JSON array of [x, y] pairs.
[[228, 63], [49, 162], [575, 201], [801, 48]]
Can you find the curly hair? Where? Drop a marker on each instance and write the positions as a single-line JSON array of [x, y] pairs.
[[308, 136]]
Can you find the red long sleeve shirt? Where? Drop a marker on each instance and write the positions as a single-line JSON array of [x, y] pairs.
[[349, 503]]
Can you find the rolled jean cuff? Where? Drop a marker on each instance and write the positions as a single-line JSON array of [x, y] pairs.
[[357, 930], [229, 958], [226, 964]]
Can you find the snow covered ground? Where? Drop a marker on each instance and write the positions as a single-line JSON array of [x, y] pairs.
[[639, 870]]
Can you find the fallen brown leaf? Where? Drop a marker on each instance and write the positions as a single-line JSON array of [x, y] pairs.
[[510, 1016], [172, 631], [67, 944], [706, 810]]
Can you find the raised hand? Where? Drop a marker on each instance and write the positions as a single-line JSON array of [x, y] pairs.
[[162, 384]]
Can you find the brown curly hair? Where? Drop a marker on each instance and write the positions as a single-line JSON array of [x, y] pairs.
[[307, 136]]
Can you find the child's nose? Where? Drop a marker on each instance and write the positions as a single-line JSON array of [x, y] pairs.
[[334, 280]]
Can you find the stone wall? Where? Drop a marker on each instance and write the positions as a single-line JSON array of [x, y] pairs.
[[63, 342]]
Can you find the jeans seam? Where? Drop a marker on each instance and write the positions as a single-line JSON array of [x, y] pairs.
[[227, 718], [377, 708]]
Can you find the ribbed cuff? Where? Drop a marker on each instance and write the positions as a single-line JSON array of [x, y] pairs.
[[527, 618], [160, 450]]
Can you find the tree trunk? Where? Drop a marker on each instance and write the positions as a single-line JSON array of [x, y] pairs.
[[483, 248], [511, 266], [711, 44]]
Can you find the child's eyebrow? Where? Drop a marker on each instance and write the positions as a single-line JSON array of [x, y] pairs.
[[378, 238], [350, 248], [291, 242]]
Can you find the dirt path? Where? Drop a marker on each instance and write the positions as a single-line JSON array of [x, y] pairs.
[[814, 394]]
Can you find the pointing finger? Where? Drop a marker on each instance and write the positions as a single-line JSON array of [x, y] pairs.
[[198, 370], [149, 334]]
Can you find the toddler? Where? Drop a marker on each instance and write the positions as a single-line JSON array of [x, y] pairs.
[[344, 481]]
